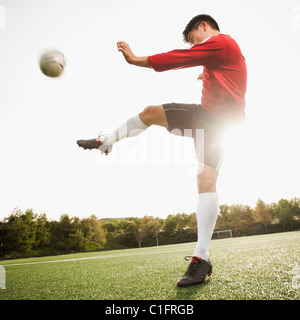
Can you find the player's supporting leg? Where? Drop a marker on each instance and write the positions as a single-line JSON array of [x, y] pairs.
[[152, 115], [207, 212], [207, 209]]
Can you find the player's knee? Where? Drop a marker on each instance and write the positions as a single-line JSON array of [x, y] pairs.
[[205, 186], [148, 115], [206, 181]]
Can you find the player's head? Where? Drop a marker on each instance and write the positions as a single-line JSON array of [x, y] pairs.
[[201, 20]]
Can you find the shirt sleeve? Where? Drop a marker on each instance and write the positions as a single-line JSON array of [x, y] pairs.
[[211, 52]]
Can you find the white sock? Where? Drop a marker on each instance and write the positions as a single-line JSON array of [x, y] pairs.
[[207, 213], [132, 127]]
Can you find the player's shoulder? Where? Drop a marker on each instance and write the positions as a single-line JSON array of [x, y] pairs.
[[227, 40], [222, 37]]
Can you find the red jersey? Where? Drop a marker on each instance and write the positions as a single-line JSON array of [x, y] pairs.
[[224, 74]]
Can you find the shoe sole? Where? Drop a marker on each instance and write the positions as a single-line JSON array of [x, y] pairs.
[[89, 144]]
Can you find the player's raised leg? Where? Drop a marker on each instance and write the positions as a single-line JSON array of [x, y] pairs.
[[151, 115], [154, 115]]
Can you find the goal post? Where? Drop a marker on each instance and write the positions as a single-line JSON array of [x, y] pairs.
[[220, 234]]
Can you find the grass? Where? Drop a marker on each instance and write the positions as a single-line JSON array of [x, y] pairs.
[[256, 267]]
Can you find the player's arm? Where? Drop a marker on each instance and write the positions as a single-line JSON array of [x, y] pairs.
[[211, 52], [130, 57]]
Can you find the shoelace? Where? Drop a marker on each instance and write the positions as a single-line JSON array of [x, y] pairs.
[[187, 258], [193, 267]]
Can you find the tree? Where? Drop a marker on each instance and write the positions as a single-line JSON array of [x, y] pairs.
[[76, 236], [67, 233], [2, 233], [123, 226], [153, 226], [86, 229], [43, 231], [223, 217], [20, 231], [182, 220], [135, 227], [170, 224], [99, 234], [295, 203], [193, 223], [262, 214], [286, 212], [111, 226], [240, 218]]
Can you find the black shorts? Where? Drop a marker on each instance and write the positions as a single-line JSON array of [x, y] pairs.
[[191, 120]]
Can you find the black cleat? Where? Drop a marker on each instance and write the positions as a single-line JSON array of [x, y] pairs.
[[95, 144], [89, 144], [196, 272]]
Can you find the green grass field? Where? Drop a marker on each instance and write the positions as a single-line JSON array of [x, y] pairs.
[[256, 267]]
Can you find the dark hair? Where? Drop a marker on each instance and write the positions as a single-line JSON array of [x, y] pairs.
[[195, 22]]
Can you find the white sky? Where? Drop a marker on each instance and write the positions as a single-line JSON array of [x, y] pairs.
[[41, 118]]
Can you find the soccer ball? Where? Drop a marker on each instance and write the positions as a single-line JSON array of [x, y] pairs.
[[53, 63]]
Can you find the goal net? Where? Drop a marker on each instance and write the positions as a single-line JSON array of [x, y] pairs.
[[222, 234]]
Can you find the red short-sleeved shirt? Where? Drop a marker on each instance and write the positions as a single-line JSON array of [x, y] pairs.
[[225, 74]]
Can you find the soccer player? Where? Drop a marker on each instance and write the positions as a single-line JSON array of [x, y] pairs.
[[222, 105]]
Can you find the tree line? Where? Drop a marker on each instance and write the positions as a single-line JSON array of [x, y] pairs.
[[27, 234]]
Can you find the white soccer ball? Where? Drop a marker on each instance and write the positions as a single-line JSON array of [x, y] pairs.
[[53, 63]]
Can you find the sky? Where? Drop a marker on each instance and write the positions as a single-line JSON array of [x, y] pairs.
[[41, 166]]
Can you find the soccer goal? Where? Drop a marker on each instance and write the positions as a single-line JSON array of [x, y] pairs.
[[222, 234]]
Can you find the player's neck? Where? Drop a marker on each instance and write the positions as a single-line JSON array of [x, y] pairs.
[[212, 33], [209, 33]]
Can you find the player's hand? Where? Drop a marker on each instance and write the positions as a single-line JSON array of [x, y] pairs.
[[200, 77], [126, 50]]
